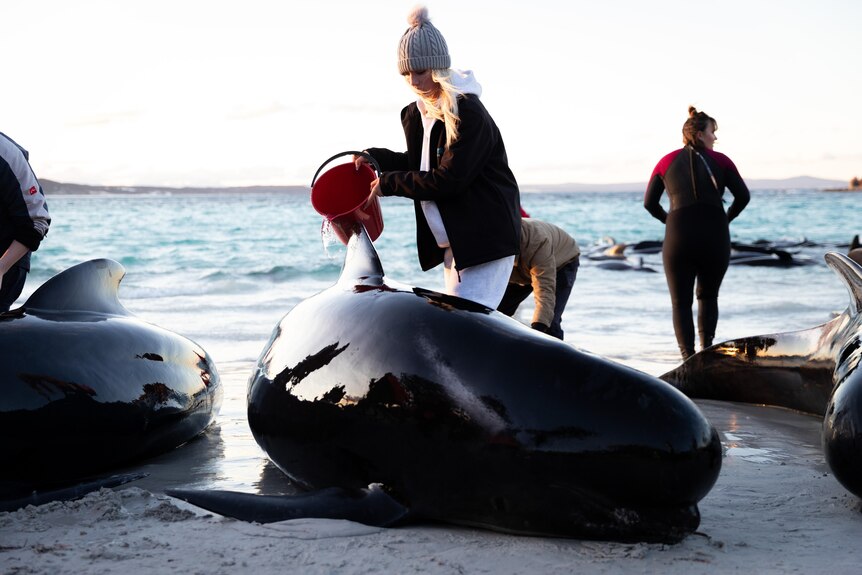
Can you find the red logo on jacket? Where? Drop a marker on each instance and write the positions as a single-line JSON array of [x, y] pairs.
[[32, 190]]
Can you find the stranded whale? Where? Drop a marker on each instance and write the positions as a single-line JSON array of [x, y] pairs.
[[85, 386], [814, 370], [454, 412]]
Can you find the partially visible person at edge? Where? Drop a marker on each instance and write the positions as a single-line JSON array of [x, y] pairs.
[[547, 266], [697, 233], [855, 251], [466, 199], [24, 219]]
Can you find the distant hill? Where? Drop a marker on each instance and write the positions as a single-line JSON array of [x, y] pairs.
[[797, 183], [51, 187], [630, 187]]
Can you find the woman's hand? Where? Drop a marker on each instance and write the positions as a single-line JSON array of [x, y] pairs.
[[3, 269], [359, 160], [375, 192]]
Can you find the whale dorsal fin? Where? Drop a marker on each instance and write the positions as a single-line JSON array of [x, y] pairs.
[[361, 262], [89, 286], [851, 274]]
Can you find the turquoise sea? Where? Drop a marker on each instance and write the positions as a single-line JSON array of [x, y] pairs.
[[222, 268]]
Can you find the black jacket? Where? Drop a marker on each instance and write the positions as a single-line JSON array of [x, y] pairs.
[[23, 210], [471, 183]]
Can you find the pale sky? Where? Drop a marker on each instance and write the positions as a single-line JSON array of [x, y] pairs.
[[257, 92]]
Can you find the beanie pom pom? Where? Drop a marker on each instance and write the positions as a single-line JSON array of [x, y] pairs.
[[418, 17], [422, 46]]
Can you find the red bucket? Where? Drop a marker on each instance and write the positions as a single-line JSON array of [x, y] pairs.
[[339, 195]]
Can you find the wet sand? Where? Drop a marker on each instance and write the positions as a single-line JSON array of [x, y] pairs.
[[775, 508]]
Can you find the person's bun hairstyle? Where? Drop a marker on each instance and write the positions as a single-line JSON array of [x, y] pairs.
[[696, 122]]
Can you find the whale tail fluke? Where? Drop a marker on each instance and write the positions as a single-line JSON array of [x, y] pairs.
[[850, 273], [372, 506]]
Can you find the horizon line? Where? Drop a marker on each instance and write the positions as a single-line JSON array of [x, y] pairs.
[[755, 183]]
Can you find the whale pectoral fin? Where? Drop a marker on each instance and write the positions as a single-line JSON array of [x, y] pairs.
[[372, 506], [8, 502]]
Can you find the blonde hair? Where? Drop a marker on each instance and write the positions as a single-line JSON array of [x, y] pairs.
[[445, 106]]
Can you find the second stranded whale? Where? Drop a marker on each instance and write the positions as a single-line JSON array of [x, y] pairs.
[[453, 412], [814, 370], [87, 387]]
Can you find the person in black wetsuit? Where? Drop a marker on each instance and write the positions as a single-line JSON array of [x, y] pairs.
[[697, 236]]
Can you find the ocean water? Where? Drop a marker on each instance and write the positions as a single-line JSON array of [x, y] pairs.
[[223, 268]]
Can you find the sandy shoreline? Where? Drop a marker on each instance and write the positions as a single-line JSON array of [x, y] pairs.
[[775, 509]]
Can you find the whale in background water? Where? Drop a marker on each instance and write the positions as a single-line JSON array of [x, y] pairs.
[[454, 412], [813, 370], [85, 386]]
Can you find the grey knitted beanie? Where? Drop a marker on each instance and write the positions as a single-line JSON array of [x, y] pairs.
[[422, 46]]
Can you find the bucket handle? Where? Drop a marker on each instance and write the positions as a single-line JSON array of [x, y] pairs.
[[365, 155]]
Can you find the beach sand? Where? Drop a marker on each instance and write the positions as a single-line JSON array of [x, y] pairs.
[[775, 508]]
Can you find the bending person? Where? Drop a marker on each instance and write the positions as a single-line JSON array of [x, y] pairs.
[[697, 236], [24, 219], [547, 267], [455, 169], [855, 251]]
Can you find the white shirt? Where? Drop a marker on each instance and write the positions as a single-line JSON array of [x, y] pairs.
[[429, 207], [466, 82]]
